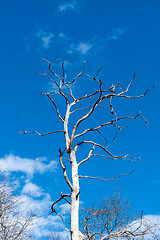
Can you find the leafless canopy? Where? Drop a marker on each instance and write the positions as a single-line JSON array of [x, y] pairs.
[[14, 221], [81, 107], [114, 219]]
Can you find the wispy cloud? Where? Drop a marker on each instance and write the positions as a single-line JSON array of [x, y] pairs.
[[70, 5], [116, 33], [46, 38], [82, 48], [11, 163], [42, 38], [85, 47]]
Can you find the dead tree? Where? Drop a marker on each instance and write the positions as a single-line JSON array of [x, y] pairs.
[[85, 105], [114, 219]]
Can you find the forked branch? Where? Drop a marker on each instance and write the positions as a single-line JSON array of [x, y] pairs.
[[88, 157], [63, 197], [114, 157], [113, 122], [78, 75]]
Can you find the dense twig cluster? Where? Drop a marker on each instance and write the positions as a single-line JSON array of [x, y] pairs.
[[114, 220], [14, 221]]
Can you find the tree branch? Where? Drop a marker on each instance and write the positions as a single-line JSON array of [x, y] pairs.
[[89, 155], [64, 170], [109, 123], [103, 148], [25, 132], [60, 81], [80, 109], [106, 180], [78, 75], [111, 158], [58, 114], [49, 67], [58, 200]]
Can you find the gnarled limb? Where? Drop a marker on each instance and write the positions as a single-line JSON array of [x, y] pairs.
[[63, 197]]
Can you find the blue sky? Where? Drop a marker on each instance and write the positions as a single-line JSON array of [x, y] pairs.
[[120, 36]]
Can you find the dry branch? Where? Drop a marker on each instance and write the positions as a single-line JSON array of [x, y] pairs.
[[86, 105], [114, 157], [89, 155], [40, 134], [64, 170], [113, 121], [107, 180], [58, 114], [63, 197], [78, 75]]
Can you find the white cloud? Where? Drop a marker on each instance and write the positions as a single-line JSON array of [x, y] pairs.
[[65, 208], [32, 189], [44, 223], [11, 163], [72, 5], [40, 206], [116, 33], [147, 229], [45, 37], [150, 224], [82, 48], [28, 203], [46, 40], [42, 38]]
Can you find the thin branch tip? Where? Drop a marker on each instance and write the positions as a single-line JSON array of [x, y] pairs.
[[46, 61]]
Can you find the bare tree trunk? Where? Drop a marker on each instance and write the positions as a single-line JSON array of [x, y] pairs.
[[96, 99], [74, 199]]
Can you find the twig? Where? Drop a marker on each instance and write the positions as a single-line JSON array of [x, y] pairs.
[[106, 180], [44, 134], [103, 148], [89, 155]]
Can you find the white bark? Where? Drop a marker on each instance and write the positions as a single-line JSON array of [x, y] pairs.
[[67, 139], [95, 99], [75, 235], [74, 198]]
